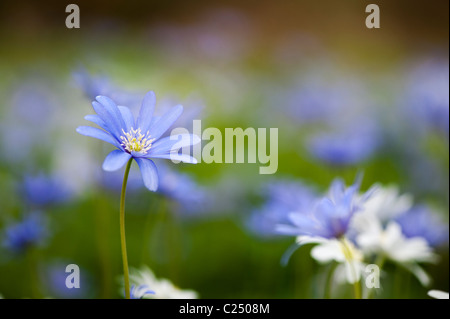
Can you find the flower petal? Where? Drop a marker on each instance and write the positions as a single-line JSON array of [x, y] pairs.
[[165, 122], [149, 173], [112, 108], [98, 133], [418, 271], [173, 143], [177, 157], [328, 251], [106, 116], [353, 271], [146, 112], [94, 118], [115, 160], [127, 117], [437, 294]]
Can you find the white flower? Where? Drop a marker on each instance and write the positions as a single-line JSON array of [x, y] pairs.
[[340, 250], [162, 288], [437, 294], [386, 203], [375, 239]]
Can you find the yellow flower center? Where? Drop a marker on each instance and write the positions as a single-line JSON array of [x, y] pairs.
[[135, 141]]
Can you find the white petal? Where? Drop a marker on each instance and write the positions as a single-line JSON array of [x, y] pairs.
[[437, 294], [328, 251]]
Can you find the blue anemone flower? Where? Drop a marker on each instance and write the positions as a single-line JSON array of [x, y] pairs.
[[31, 231], [283, 198], [420, 221], [330, 216], [140, 139], [94, 85], [181, 188], [348, 147], [41, 189]]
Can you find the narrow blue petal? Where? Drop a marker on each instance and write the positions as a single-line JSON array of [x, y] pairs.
[[96, 120], [115, 160], [112, 108], [166, 144], [127, 117], [165, 122], [98, 133], [149, 173], [146, 112], [111, 124], [177, 157]]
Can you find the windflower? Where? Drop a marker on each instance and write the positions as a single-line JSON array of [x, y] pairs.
[[345, 147], [41, 190], [428, 96], [329, 217], [95, 85], [190, 197], [378, 233], [282, 198], [421, 221], [31, 231], [138, 139], [327, 224], [53, 276], [162, 288]]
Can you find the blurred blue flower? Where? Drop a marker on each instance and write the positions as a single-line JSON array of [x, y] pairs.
[[140, 139], [28, 121], [329, 217], [42, 190], [193, 110], [282, 198], [93, 86], [421, 221], [183, 189], [347, 147], [319, 98], [428, 95], [31, 231], [54, 277]]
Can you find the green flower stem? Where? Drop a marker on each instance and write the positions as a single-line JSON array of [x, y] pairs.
[[31, 256], [357, 289], [381, 259], [329, 281], [122, 231]]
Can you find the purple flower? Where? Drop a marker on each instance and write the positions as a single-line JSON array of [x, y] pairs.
[[41, 190], [28, 120], [428, 95], [348, 147], [283, 198], [31, 231], [182, 188], [329, 217], [138, 139], [421, 221], [93, 86], [54, 278]]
